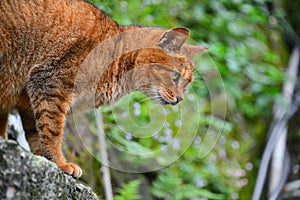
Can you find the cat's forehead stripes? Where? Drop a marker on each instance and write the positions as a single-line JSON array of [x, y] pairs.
[[185, 68]]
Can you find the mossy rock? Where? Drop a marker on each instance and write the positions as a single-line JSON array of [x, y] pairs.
[[27, 176]]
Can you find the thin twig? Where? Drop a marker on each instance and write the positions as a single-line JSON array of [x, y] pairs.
[[104, 156]]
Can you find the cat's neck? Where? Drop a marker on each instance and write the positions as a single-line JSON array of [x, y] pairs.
[[117, 81], [121, 76]]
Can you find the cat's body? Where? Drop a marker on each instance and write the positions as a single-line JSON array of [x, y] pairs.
[[45, 73]]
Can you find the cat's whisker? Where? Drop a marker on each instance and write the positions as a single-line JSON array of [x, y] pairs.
[[146, 99]]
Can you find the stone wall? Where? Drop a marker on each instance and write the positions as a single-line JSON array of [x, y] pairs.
[[27, 176]]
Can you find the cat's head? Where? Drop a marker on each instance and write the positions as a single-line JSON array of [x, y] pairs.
[[167, 69]]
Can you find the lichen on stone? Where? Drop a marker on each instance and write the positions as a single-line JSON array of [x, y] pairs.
[[27, 176]]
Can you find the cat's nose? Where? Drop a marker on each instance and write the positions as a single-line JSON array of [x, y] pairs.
[[179, 99]]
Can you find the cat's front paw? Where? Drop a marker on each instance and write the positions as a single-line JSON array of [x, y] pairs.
[[71, 169]]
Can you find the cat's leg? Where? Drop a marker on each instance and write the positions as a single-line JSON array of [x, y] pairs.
[[50, 98], [31, 133], [3, 124]]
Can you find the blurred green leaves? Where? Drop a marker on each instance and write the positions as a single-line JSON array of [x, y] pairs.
[[129, 191]]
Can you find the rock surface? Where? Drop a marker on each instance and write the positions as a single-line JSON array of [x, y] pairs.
[[27, 176]]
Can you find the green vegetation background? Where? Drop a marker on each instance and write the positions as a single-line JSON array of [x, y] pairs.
[[249, 53]]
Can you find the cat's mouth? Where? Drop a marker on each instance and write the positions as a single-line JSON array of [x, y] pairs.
[[163, 101]]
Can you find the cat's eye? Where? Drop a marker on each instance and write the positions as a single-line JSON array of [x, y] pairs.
[[175, 76]]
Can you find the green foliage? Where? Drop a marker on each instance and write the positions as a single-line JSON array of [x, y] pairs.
[[129, 191], [169, 187], [185, 183]]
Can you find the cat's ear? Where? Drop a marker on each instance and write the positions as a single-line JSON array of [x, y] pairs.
[[191, 50], [173, 39]]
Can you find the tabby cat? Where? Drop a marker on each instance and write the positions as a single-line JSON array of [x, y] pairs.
[[45, 73]]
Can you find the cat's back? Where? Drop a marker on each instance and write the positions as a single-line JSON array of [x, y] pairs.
[[47, 28], [35, 32], [24, 24]]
